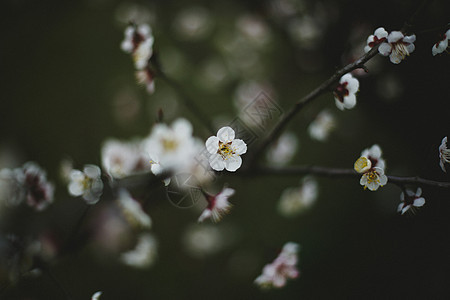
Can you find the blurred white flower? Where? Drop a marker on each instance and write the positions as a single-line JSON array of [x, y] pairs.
[[39, 192], [174, 148], [203, 240], [283, 150], [373, 177], [12, 191], [293, 201], [306, 31], [120, 159], [144, 254], [96, 296], [218, 205], [323, 124], [86, 183], [134, 36], [344, 94], [142, 54], [442, 45], [284, 267], [397, 46], [378, 37], [225, 150], [193, 23], [254, 29], [410, 200], [444, 154], [133, 211]]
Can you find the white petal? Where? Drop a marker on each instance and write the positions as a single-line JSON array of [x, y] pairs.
[[395, 58], [405, 208], [418, 192], [419, 202], [363, 180], [395, 36], [216, 162], [385, 49], [383, 179], [239, 146], [225, 134], [410, 48], [350, 101], [233, 163], [346, 78], [339, 104], [75, 189], [212, 144], [409, 38], [400, 207], [381, 33], [182, 127], [367, 49], [353, 85], [206, 214], [92, 171]]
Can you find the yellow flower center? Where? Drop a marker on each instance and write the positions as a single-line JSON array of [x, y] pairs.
[[169, 144], [400, 48], [225, 150]]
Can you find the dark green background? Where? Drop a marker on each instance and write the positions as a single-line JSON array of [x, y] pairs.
[[62, 66]]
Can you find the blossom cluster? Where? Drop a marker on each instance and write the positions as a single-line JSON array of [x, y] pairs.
[[138, 42], [371, 165], [394, 44]]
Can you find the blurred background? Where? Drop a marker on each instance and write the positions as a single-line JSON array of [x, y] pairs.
[[67, 87]]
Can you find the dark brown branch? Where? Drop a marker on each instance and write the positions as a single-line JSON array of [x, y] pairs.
[[335, 172], [325, 86]]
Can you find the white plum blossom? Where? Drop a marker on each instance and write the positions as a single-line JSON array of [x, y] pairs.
[[444, 154], [86, 183], [374, 154], [174, 148], [144, 254], [376, 38], [293, 201], [397, 46], [373, 177], [411, 200], [344, 94], [323, 124], [225, 150], [120, 159], [133, 211], [284, 267], [142, 54], [282, 151], [218, 205], [442, 45]]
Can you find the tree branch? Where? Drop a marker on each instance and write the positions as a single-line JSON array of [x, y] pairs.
[[336, 172]]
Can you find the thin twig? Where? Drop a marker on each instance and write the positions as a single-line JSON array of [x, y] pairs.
[[336, 172]]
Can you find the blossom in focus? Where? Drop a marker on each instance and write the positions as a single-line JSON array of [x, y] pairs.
[[344, 94], [86, 183], [281, 269], [218, 205], [133, 211], [397, 46], [174, 147], [376, 38], [295, 200], [373, 177], [282, 151], [39, 192], [444, 154], [410, 200], [225, 150], [323, 124], [120, 159], [144, 254], [442, 45]]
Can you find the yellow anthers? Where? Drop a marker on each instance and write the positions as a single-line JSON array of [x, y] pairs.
[[169, 145], [225, 150], [362, 165]]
